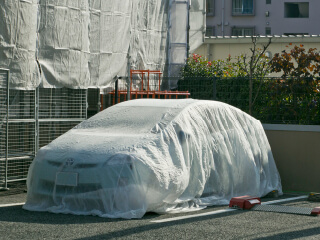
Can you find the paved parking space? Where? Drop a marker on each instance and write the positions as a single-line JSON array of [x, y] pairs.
[[16, 223]]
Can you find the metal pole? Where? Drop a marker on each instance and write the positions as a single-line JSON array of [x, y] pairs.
[[7, 132], [116, 91], [169, 42], [87, 105], [222, 19], [204, 19], [99, 105], [128, 78], [188, 28], [36, 116]]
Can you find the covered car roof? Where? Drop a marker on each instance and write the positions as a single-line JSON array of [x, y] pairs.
[[155, 155]]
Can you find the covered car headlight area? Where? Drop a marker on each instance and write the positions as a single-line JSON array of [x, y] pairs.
[[107, 189]]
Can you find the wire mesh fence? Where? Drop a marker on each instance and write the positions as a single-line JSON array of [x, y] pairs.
[[18, 131], [30, 119], [60, 109], [273, 100]]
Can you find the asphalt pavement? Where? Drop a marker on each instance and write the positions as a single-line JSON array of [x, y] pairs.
[[16, 223]]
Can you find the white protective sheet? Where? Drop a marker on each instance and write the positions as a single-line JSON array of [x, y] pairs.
[[86, 43], [18, 39], [153, 155]]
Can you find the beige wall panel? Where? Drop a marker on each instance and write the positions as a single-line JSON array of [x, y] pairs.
[[297, 157]]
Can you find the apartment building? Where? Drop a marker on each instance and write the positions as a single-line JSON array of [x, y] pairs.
[[262, 17], [215, 48]]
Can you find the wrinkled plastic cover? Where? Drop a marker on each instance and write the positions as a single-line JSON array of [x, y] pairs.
[[153, 155], [18, 39], [184, 34], [83, 43], [197, 23]]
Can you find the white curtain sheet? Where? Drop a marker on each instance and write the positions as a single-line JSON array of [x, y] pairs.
[[84, 43]]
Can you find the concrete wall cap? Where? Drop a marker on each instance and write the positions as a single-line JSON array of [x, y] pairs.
[[291, 127]]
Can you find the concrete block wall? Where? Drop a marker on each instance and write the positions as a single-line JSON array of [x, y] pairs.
[[296, 150]]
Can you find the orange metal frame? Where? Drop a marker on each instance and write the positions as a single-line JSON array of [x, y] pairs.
[[142, 72], [148, 93]]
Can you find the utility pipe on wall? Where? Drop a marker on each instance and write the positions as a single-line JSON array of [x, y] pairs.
[[204, 20], [222, 19]]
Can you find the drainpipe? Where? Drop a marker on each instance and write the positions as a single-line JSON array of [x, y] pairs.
[[204, 20], [222, 19], [208, 52], [188, 27]]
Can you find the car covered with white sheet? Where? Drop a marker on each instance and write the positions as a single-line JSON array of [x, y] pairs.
[[152, 155]]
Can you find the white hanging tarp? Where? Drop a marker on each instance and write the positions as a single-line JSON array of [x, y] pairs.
[[85, 43], [153, 155], [186, 24], [178, 41], [197, 20], [18, 42]]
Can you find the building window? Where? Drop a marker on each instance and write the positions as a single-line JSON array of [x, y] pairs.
[[268, 1], [210, 31], [268, 31], [210, 7], [242, 7], [242, 31], [296, 10]]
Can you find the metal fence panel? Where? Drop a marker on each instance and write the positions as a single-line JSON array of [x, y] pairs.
[[4, 96], [49, 130], [60, 109], [274, 100], [34, 119], [21, 133], [19, 124]]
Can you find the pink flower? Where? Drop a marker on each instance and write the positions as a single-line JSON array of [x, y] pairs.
[[196, 56]]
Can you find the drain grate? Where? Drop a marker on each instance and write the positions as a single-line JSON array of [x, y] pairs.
[[282, 209]]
